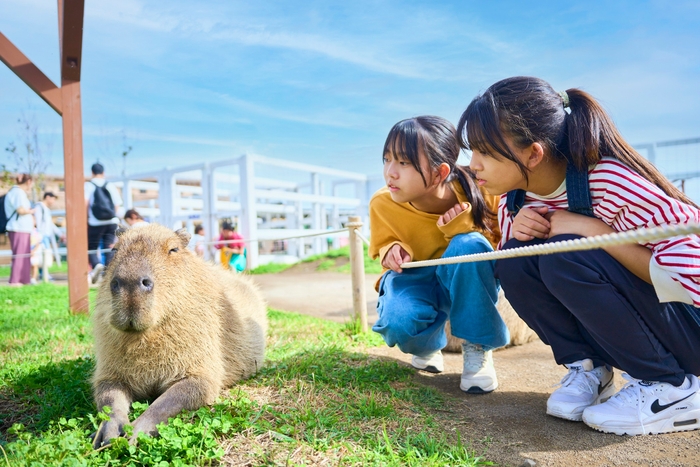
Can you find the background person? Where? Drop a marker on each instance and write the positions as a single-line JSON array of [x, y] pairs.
[[232, 248], [198, 242], [103, 203], [20, 224], [134, 219], [46, 226]]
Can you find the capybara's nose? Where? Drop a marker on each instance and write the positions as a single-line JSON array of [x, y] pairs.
[[146, 284], [143, 284]]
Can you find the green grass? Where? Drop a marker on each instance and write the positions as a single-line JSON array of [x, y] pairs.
[[320, 398], [333, 260], [63, 268]]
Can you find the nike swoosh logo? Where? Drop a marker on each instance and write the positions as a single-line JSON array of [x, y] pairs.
[[656, 407]]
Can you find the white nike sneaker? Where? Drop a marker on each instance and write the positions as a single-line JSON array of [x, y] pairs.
[[582, 387], [432, 363], [647, 407]]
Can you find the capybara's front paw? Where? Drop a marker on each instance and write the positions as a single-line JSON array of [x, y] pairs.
[[107, 431], [144, 424]]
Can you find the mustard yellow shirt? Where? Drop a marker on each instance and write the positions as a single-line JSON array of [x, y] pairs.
[[416, 231]]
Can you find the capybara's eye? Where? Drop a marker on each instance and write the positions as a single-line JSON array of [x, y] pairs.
[[174, 250]]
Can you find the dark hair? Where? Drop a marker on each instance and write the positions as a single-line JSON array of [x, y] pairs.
[[132, 214], [49, 194], [227, 226], [438, 139], [529, 110], [198, 228], [23, 178], [97, 168]]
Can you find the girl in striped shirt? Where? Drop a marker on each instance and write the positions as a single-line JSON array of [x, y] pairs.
[[564, 171]]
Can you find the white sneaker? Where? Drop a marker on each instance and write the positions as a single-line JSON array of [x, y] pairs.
[[432, 363], [582, 387], [478, 375], [645, 407], [96, 273]]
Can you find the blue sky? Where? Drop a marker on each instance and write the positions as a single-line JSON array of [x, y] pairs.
[[323, 82]]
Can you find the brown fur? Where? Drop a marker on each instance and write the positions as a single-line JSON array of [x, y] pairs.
[[170, 328], [520, 332]]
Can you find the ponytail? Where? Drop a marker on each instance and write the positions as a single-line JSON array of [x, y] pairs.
[[591, 134], [482, 215]]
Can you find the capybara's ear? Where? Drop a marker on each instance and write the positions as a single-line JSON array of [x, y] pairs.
[[120, 231], [184, 237]]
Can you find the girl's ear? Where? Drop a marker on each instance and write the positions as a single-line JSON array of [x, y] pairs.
[[443, 170], [535, 155]]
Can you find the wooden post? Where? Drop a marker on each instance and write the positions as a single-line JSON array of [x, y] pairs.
[[357, 266], [76, 212]]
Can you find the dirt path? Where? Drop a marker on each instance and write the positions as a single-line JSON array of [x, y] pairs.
[[512, 418]]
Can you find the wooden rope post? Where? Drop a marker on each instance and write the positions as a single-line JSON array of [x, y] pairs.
[[357, 266]]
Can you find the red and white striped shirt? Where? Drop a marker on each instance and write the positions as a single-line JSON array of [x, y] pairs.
[[625, 200]]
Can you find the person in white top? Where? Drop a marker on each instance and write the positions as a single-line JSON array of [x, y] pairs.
[[104, 203], [20, 224], [134, 219], [198, 242], [46, 226]]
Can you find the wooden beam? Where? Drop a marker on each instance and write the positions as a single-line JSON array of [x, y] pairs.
[[30, 73], [76, 213], [70, 39], [70, 14]]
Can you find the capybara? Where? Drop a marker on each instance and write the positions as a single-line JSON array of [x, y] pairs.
[[520, 332], [169, 328]]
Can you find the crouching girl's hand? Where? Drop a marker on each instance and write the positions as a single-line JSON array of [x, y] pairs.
[[395, 257], [531, 223], [455, 211]]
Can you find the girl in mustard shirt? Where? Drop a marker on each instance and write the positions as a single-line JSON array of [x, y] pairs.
[[431, 208]]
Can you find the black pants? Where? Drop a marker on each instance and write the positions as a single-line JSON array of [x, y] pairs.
[[585, 304], [101, 236]]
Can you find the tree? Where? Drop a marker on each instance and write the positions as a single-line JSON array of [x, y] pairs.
[[29, 155]]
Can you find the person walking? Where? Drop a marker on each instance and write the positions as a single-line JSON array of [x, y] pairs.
[[103, 202], [20, 224], [46, 227]]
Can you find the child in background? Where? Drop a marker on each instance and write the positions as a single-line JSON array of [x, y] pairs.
[[431, 207], [37, 250], [198, 241], [232, 248], [133, 219], [635, 307]]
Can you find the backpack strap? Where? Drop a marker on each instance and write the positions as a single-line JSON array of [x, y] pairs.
[[514, 201], [578, 194], [578, 191]]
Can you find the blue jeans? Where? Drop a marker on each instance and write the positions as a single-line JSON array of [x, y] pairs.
[[414, 305]]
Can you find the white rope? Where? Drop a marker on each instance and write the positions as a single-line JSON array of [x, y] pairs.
[[362, 237], [327, 233], [579, 244]]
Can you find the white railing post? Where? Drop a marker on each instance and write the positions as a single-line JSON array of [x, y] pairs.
[[127, 194], [249, 216], [316, 211], [357, 265], [209, 220]]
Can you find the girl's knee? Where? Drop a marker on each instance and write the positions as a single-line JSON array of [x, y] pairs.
[[465, 244], [510, 271]]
